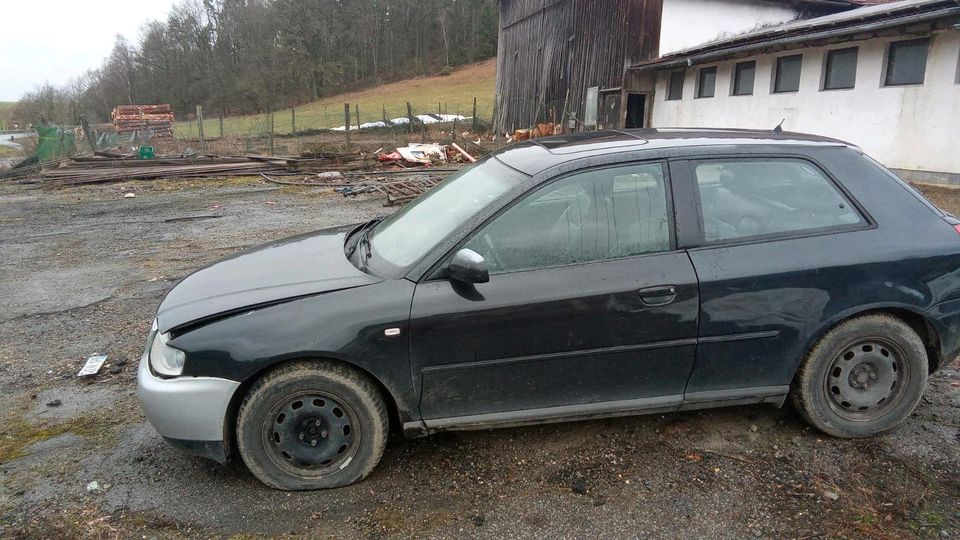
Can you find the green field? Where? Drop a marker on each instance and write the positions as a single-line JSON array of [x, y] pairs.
[[453, 93]]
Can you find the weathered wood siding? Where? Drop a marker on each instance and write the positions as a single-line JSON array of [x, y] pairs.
[[551, 51]]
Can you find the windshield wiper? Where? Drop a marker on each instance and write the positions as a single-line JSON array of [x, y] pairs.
[[361, 236]]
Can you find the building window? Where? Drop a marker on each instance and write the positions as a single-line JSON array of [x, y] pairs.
[[906, 62], [675, 86], [743, 75], [707, 82], [787, 77], [958, 70], [840, 69]]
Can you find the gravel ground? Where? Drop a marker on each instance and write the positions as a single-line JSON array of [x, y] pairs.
[[82, 271]]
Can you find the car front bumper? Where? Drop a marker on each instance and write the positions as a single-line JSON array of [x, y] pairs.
[[189, 412]]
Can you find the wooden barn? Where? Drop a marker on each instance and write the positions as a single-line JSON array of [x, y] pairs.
[[565, 61]]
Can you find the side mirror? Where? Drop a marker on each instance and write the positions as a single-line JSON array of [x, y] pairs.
[[469, 267]]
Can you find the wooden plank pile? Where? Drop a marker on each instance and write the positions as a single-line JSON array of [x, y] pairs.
[[156, 118], [104, 167]]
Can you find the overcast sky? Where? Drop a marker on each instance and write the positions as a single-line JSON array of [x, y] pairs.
[[57, 40]]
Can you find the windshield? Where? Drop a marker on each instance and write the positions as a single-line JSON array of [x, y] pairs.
[[403, 238]]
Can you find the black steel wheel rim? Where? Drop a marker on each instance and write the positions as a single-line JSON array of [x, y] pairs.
[[311, 434], [866, 379]]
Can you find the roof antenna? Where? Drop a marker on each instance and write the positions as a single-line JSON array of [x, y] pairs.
[[779, 129]]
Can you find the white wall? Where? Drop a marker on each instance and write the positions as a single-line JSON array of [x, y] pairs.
[[688, 23], [905, 127]]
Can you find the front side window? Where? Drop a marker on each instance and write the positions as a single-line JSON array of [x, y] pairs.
[[787, 77], [588, 216], [840, 70], [410, 233], [707, 82], [747, 198], [906, 62], [675, 91], [743, 75]]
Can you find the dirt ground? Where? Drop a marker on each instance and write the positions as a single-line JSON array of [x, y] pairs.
[[82, 271]]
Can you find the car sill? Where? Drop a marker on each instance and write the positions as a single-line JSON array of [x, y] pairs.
[[562, 413], [628, 407]]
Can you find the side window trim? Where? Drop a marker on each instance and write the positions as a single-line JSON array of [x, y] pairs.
[[702, 242], [433, 274]]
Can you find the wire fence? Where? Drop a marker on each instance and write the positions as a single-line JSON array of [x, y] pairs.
[[391, 120]]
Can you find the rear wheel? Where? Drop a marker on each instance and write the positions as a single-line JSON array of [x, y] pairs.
[[312, 426], [863, 377]]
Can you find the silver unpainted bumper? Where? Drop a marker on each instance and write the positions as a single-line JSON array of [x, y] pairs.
[[185, 409]]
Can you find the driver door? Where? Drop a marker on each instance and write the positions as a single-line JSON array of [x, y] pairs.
[[589, 309]]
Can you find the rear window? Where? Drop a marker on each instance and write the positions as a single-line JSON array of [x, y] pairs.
[[761, 197]]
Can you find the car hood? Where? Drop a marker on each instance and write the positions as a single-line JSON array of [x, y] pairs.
[[300, 266]]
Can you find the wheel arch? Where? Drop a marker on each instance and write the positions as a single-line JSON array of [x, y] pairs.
[[230, 419], [908, 314]]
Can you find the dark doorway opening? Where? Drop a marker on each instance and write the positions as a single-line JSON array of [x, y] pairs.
[[636, 111]]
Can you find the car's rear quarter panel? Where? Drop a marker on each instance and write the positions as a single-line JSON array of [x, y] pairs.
[[764, 304]]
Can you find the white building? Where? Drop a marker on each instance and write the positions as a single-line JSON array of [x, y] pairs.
[[884, 77]]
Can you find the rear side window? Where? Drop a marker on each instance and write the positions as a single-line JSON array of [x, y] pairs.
[[589, 216], [749, 198]]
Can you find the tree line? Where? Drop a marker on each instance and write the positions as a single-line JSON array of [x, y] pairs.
[[251, 56]]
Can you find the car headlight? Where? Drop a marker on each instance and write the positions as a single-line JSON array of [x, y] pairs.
[[164, 359]]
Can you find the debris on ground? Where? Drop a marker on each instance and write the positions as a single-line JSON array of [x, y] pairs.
[[54, 403], [92, 365], [425, 119], [103, 167]]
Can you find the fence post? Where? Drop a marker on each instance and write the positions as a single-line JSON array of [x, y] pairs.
[[200, 126], [271, 132], [410, 116], [358, 116], [346, 123], [293, 120], [221, 125], [475, 120], [493, 122]]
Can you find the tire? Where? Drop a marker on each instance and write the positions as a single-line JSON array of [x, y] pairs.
[[312, 425], [863, 377]]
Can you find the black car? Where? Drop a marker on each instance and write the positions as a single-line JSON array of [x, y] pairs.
[[573, 277]]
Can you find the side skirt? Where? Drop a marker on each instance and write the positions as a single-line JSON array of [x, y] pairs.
[[607, 409]]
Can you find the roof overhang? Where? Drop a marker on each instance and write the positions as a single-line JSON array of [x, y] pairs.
[[847, 24]]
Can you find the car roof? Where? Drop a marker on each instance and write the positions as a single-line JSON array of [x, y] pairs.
[[536, 155]]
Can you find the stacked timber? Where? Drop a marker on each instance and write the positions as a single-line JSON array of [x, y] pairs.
[[156, 118], [109, 167]]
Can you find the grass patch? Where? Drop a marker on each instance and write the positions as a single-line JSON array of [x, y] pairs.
[[6, 151], [453, 92]]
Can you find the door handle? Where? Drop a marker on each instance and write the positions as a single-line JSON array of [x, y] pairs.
[[658, 296]]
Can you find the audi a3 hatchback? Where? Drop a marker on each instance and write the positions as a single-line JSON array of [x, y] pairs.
[[573, 277]]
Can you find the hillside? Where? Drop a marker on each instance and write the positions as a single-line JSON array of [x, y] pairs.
[[454, 93]]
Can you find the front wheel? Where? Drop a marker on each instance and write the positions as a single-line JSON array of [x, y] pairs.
[[863, 377], [312, 426]]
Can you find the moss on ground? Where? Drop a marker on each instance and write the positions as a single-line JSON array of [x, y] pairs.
[[17, 434]]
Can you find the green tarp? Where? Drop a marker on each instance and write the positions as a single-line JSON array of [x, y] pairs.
[[55, 143]]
